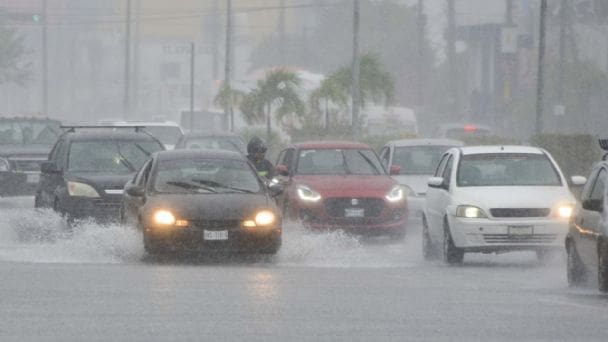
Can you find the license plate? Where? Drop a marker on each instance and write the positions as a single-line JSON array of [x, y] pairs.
[[216, 234], [520, 230], [354, 212], [32, 178]]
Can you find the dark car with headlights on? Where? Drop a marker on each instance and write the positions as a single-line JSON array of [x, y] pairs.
[[203, 201], [87, 170], [341, 185], [25, 143]]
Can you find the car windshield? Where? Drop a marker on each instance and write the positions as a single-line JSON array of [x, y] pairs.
[[29, 132], [339, 162], [507, 169], [205, 176], [418, 160], [168, 135], [224, 143], [108, 156]]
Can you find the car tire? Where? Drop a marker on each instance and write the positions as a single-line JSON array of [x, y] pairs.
[[429, 250], [451, 254], [575, 271], [272, 249], [602, 267]]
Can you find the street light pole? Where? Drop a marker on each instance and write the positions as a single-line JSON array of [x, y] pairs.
[[355, 95], [540, 72]]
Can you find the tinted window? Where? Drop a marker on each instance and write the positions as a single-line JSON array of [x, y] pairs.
[[115, 157], [339, 162], [507, 169], [205, 176], [418, 160]]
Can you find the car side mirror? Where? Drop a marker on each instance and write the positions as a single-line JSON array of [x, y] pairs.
[[435, 182], [593, 205], [282, 170], [578, 180], [275, 189], [395, 170], [49, 167], [135, 191]]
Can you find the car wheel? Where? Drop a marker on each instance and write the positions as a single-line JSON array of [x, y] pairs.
[[429, 251], [272, 249], [575, 271], [451, 253], [602, 267]]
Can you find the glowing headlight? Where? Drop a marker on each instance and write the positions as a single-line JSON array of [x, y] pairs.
[[264, 218], [81, 190], [395, 195], [4, 165], [469, 211], [307, 194], [565, 211], [164, 217]]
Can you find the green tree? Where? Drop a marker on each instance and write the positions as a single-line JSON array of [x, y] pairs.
[[277, 94], [12, 69], [329, 93]]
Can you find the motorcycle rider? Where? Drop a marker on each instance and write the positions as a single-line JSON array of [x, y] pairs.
[[256, 153]]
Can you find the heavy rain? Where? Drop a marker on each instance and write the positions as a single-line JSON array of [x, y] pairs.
[[340, 170]]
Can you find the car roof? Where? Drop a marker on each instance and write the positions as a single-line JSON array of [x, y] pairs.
[[103, 134], [141, 123], [328, 144], [492, 149], [426, 142], [210, 134], [28, 118], [199, 153]]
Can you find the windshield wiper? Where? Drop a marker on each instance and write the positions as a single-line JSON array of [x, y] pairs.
[[124, 160], [143, 150], [191, 186], [222, 186]]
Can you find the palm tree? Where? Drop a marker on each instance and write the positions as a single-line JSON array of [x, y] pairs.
[[330, 91], [278, 94], [228, 97]]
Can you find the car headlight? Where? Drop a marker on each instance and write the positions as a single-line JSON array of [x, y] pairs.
[[565, 211], [262, 218], [396, 194], [470, 211], [307, 194], [4, 165], [164, 218], [81, 190]]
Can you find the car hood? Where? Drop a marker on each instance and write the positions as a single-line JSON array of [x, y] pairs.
[[101, 181], [348, 185], [24, 150], [210, 206], [513, 196], [418, 183]]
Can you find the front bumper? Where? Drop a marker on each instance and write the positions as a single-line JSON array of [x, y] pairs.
[[496, 235], [193, 240], [104, 209], [18, 183]]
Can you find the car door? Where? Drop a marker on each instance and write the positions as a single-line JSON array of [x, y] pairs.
[[434, 210], [589, 222], [51, 181]]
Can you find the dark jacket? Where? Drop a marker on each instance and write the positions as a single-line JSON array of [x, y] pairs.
[[264, 167]]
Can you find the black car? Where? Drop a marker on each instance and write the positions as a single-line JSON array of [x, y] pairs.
[[587, 239], [203, 201], [218, 140], [25, 143], [87, 170]]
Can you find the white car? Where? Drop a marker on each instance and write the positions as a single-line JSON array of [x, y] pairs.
[[417, 160], [495, 199]]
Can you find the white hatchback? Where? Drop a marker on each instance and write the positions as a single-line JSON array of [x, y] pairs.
[[494, 199]]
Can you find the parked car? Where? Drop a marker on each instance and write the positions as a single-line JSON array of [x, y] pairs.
[[496, 199], [206, 140], [168, 132], [587, 240], [87, 170], [25, 143], [340, 185], [202, 200], [417, 160]]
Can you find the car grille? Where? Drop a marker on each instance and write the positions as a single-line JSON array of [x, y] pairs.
[[520, 212], [335, 207], [506, 238], [216, 224], [26, 165]]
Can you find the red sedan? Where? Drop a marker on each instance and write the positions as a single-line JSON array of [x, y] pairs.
[[341, 185]]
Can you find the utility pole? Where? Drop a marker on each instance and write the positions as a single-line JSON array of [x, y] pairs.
[[228, 117], [282, 31], [126, 104], [540, 73], [451, 56], [420, 23], [136, 55], [355, 91], [192, 87], [45, 60], [562, 49], [215, 33]]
